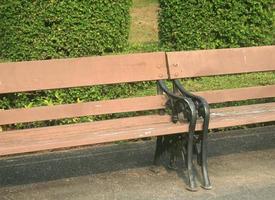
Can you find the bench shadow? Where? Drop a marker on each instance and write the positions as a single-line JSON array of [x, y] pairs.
[[78, 162], [109, 158]]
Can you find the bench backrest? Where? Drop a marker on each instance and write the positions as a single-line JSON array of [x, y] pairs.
[[187, 64], [77, 72]]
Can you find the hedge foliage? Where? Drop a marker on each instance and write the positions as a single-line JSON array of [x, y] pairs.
[[208, 24], [45, 29]]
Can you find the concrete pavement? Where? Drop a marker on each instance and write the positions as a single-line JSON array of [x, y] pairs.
[[122, 172]]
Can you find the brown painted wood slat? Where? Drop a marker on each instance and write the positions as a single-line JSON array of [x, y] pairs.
[[32, 140], [242, 115], [86, 71], [88, 126], [238, 94], [220, 61], [82, 109], [22, 141]]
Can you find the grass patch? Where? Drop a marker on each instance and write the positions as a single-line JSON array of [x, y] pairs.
[[144, 23], [144, 3], [144, 47]]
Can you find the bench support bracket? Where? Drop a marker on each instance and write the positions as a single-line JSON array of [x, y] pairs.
[[201, 139], [179, 105]]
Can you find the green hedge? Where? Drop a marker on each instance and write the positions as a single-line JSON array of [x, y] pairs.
[[45, 29], [207, 24]]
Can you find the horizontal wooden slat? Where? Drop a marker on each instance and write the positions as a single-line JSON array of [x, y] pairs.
[[86, 71], [242, 115], [238, 94], [32, 140], [221, 61], [76, 135], [88, 126], [82, 109]]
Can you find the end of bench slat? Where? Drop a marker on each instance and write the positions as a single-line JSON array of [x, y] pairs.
[[78, 72], [197, 63]]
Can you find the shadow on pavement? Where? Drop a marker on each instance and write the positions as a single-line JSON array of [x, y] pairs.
[[108, 158]]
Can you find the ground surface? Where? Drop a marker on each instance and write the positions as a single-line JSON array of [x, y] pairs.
[[144, 23], [241, 166], [238, 176]]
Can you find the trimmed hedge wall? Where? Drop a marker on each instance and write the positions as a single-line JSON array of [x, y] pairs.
[[208, 24], [45, 29]]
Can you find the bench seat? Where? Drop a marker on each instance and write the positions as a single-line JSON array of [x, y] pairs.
[[242, 115], [56, 137]]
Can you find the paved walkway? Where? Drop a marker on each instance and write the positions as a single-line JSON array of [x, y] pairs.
[[128, 176], [249, 175]]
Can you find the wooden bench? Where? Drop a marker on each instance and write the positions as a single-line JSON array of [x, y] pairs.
[[90, 71], [183, 105], [191, 64]]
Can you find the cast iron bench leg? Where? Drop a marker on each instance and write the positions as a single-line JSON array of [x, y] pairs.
[[166, 144], [204, 112], [192, 185], [184, 105], [206, 185]]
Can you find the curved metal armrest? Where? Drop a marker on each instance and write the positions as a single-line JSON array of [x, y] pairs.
[[201, 103], [175, 99], [204, 111]]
